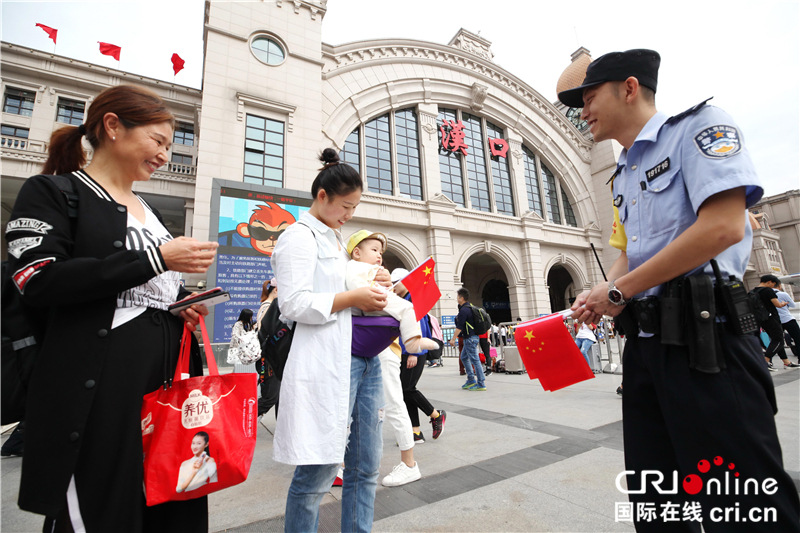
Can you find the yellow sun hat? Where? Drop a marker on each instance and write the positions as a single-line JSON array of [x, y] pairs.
[[362, 235]]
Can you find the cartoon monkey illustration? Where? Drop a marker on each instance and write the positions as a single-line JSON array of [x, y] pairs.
[[266, 224]]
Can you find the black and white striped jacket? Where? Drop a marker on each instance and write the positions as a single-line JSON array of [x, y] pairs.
[[73, 269]]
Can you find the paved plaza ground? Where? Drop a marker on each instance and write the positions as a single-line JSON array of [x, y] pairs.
[[513, 458]]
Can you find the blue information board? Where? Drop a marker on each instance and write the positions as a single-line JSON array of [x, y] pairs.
[[448, 320], [250, 224]]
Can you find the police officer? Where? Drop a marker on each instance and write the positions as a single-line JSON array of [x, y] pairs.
[[681, 191]]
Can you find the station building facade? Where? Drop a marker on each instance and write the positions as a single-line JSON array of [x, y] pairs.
[[462, 160]]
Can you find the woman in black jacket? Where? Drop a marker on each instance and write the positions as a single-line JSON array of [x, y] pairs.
[[105, 278]]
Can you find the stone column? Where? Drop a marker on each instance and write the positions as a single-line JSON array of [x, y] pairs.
[[441, 248], [429, 149], [188, 210], [533, 267], [517, 167]]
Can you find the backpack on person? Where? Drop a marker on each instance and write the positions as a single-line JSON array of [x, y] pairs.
[[480, 321], [760, 310], [276, 339], [21, 333]]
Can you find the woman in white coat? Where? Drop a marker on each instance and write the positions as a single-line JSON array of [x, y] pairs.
[[323, 385]]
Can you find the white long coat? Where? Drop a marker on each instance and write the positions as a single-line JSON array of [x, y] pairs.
[[315, 390]]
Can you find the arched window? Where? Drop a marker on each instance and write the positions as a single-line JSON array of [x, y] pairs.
[[501, 177], [391, 159], [350, 152], [550, 195], [532, 182], [409, 176], [476, 163], [464, 160], [540, 179], [450, 163], [569, 214], [379, 156]]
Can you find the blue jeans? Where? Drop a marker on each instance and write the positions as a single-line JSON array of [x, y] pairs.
[[362, 460], [470, 358], [584, 345]]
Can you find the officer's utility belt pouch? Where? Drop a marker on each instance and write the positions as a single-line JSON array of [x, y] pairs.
[[648, 314], [625, 323], [699, 307], [673, 323]]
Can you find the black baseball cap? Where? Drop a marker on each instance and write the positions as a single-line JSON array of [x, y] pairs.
[[640, 63]]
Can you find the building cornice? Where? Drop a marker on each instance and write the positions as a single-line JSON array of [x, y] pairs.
[[115, 77], [314, 8]]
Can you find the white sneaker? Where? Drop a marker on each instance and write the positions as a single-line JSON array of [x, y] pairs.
[[402, 474]]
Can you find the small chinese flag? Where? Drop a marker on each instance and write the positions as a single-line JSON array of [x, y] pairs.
[[177, 63], [421, 283], [110, 50], [51, 32], [550, 353]]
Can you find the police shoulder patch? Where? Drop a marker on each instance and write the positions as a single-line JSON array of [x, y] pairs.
[[718, 142]]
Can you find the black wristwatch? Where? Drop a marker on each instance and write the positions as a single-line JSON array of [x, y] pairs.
[[615, 295]]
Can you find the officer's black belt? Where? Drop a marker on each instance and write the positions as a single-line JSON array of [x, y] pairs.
[[685, 315]]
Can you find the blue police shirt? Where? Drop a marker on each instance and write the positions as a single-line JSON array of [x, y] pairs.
[[667, 174]]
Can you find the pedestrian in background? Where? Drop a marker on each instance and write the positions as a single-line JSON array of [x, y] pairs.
[[788, 323], [585, 339], [476, 379], [269, 384]]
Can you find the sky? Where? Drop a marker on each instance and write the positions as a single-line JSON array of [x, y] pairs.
[[744, 53]]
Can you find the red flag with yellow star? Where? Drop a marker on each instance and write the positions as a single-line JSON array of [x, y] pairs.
[[550, 354], [421, 283]]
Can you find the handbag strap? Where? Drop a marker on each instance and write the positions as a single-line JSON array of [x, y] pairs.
[[186, 346]]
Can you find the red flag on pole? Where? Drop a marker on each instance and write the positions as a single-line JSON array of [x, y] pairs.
[[550, 353], [177, 63], [421, 283], [110, 50], [51, 32]]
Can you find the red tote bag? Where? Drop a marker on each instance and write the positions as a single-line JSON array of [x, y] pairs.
[[199, 435]]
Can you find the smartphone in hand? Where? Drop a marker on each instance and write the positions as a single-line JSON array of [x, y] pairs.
[[207, 298]]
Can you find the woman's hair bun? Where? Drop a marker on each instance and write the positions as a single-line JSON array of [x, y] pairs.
[[329, 155]]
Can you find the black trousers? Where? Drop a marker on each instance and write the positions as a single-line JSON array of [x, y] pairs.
[[773, 328], [793, 329], [414, 399], [109, 471], [676, 419], [486, 349]]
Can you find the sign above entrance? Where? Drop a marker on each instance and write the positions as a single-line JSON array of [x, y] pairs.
[[454, 139], [498, 147], [453, 136]]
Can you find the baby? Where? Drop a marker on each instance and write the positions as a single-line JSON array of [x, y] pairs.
[[366, 249]]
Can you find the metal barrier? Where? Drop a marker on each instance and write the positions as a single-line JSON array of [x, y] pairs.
[[447, 333]]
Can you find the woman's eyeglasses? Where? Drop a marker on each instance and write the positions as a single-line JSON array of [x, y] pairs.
[[262, 234]]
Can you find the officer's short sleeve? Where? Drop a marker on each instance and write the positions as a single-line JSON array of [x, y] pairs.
[[715, 158]]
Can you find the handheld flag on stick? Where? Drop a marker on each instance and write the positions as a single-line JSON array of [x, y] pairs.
[[51, 32], [549, 352], [421, 283], [110, 50], [177, 63]]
